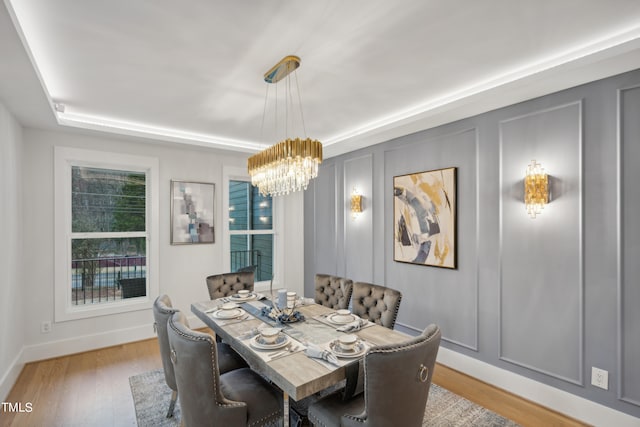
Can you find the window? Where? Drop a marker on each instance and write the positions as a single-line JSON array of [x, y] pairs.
[[105, 222], [250, 230]]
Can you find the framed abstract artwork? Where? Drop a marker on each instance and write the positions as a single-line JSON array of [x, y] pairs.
[[192, 212], [424, 216]]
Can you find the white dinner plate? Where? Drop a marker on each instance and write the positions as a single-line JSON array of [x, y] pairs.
[[238, 297], [228, 314], [340, 319], [358, 350], [281, 341]]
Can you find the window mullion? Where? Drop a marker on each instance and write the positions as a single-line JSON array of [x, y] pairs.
[[108, 235], [249, 232]]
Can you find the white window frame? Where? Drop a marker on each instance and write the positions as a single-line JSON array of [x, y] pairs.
[[240, 174], [64, 159]]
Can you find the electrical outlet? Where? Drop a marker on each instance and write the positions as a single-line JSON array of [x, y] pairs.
[[45, 327], [600, 378]]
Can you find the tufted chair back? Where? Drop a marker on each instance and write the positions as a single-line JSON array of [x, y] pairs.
[[397, 381], [227, 284], [207, 398], [162, 311], [333, 291], [376, 303]]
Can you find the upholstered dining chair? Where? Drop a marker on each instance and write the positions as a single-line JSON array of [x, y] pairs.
[[397, 379], [226, 284], [333, 291], [162, 311], [376, 303], [210, 398]]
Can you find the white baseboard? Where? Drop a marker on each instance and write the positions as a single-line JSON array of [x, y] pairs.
[[10, 376], [545, 395], [550, 397], [47, 350]]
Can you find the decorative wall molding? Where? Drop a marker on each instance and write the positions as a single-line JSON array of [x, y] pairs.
[[579, 380], [474, 346], [327, 169], [620, 285], [365, 219]]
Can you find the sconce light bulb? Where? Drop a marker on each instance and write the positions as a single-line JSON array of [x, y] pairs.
[[536, 189]]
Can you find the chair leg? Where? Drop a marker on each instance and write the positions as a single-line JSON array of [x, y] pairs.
[[172, 404]]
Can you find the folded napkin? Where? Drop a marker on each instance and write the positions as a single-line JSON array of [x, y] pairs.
[[305, 301], [356, 325], [319, 353]]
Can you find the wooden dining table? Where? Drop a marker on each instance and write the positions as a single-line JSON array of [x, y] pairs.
[[292, 370]]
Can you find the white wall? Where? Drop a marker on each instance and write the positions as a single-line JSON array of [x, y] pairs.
[[11, 325], [182, 270]]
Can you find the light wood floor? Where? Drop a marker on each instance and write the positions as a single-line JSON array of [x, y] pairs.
[[92, 389]]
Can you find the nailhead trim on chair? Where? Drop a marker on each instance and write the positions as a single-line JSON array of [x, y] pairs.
[[391, 348], [214, 363], [206, 337], [317, 422], [274, 415]]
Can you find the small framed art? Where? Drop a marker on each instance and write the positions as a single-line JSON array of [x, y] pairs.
[[192, 212]]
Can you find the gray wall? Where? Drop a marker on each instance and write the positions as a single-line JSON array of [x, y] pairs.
[[547, 298]]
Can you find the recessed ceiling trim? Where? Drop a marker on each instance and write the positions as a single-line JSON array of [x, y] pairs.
[[147, 131], [592, 49], [454, 105]]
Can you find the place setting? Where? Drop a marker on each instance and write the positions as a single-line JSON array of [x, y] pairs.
[[348, 346], [338, 352], [344, 320], [229, 311], [245, 295], [271, 343]]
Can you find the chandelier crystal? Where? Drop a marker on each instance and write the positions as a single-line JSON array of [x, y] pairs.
[[290, 164], [285, 167]]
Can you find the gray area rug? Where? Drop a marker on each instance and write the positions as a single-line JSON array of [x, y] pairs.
[[444, 409]]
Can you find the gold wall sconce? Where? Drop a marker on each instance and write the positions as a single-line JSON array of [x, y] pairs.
[[356, 204], [536, 189]]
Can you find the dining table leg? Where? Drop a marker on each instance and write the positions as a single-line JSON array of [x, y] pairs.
[[285, 402]]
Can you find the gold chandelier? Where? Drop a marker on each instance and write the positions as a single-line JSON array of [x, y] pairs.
[[290, 164]]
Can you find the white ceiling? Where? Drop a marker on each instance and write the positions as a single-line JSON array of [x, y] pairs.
[[371, 70]]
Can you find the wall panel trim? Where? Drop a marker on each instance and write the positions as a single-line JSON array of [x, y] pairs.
[[388, 240], [619, 248], [315, 221], [581, 280], [347, 216]]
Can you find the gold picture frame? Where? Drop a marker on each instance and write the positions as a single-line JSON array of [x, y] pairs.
[[424, 216]]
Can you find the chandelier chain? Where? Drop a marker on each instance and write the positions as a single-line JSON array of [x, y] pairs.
[[304, 127]]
